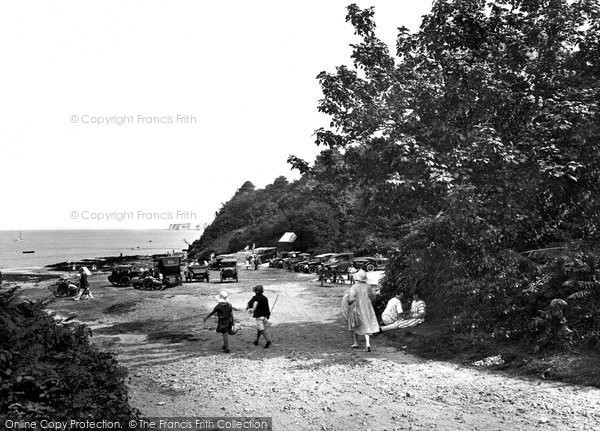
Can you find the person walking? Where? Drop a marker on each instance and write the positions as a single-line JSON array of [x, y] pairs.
[[259, 307], [361, 315], [84, 287], [224, 311]]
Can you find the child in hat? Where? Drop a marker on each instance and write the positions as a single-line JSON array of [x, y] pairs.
[[224, 311], [259, 307]]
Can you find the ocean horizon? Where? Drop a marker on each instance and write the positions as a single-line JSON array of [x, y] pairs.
[[60, 245]]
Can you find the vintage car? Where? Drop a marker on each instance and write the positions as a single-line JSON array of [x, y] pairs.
[[228, 270], [216, 262], [294, 262], [312, 266], [170, 270], [336, 268], [121, 275], [148, 282], [196, 271], [284, 258], [370, 263], [265, 253]]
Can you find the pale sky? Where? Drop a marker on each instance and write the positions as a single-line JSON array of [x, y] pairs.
[[232, 85]]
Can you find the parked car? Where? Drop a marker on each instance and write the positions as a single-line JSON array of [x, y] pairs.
[[336, 268], [295, 262], [278, 261], [147, 282], [216, 262], [228, 269], [313, 264], [370, 263], [286, 262], [121, 275], [265, 253], [197, 272], [170, 270]]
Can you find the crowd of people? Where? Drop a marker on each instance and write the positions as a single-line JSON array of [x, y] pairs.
[[253, 261]]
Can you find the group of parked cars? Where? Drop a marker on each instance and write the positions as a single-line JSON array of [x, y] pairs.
[[170, 272], [340, 263]]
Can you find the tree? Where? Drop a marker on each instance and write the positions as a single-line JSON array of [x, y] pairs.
[[476, 139], [491, 104]]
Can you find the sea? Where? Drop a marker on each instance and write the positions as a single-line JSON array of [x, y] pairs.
[[54, 246]]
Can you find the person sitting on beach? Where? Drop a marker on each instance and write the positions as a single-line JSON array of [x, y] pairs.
[[393, 313], [415, 317], [417, 308]]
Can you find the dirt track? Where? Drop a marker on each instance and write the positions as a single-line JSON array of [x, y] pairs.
[[309, 378]]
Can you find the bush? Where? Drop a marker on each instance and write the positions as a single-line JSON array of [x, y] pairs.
[[548, 297], [49, 370]]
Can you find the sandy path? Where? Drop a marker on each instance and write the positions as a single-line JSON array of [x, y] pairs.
[[310, 378]]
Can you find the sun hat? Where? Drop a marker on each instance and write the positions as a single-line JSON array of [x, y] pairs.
[[222, 296], [360, 276], [258, 288]]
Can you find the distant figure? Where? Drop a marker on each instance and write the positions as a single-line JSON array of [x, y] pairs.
[[256, 262], [224, 311], [351, 271], [248, 262]]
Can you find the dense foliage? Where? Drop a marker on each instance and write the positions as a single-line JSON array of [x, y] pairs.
[[476, 142], [325, 217], [49, 370]]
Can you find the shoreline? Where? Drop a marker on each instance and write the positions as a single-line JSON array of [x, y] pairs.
[[31, 276]]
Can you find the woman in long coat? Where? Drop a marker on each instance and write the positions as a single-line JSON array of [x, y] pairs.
[[361, 315]]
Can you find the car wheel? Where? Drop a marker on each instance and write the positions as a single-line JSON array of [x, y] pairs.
[[148, 284], [124, 281], [370, 267], [379, 262], [312, 269]]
